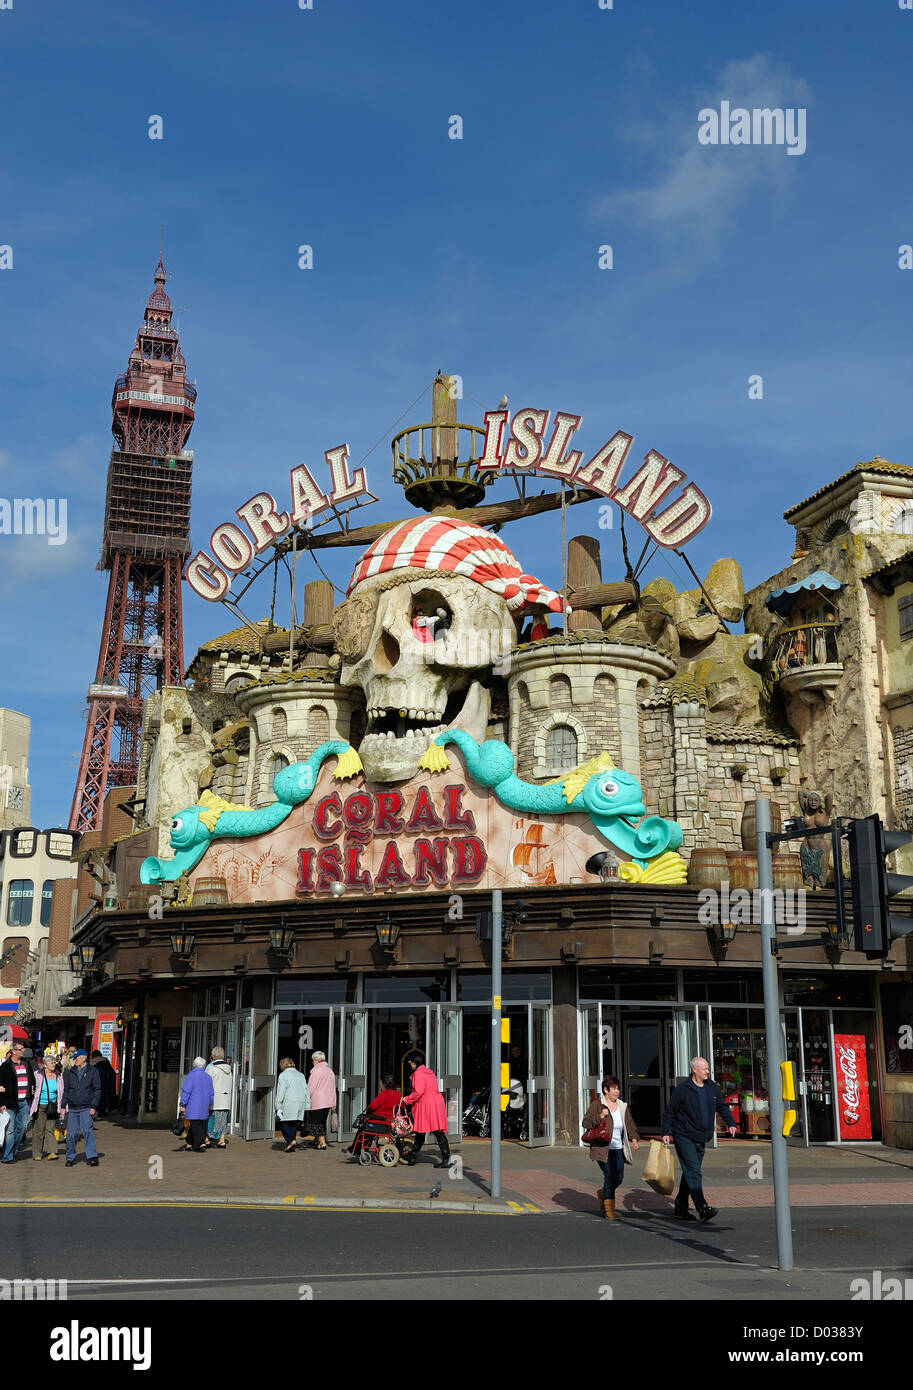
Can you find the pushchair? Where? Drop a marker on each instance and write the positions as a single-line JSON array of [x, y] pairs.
[[377, 1139]]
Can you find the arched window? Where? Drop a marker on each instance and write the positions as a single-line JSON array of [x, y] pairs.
[[19, 912], [280, 726], [903, 522], [839, 527], [561, 748]]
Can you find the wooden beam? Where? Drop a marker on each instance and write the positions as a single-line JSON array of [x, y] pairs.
[[489, 514], [601, 595]]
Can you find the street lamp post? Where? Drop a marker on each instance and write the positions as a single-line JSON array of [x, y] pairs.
[[772, 1027], [494, 1107]]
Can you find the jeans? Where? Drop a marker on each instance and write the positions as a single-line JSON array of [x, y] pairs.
[[15, 1129], [289, 1131], [613, 1171], [79, 1122], [690, 1156]]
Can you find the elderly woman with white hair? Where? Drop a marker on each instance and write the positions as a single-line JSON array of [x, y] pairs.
[[219, 1072], [322, 1090], [196, 1103]]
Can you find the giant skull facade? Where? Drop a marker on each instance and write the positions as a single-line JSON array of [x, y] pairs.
[[416, 689]]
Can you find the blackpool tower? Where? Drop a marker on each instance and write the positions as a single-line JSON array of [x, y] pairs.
[[145, 543]]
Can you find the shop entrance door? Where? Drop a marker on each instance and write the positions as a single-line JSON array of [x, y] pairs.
[[444, 1052], [349, 1060], [647, 1047], [540, 1086], [257, 1073]]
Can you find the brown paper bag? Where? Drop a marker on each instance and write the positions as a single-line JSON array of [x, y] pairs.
[[659, 1169]]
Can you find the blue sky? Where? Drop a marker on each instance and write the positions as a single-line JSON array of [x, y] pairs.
[[478, 256]]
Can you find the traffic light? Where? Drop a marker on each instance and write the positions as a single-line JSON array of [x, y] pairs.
[[873, 887]]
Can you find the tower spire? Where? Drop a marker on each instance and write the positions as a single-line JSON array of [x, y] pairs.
[[145, 542]]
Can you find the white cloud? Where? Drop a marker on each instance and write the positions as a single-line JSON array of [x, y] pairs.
[[698, 188]]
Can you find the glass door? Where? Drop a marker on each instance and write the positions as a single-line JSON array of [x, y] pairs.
[[645, 1069], [349, 1054], [540, 1085], [444, 1051], [258, 1073]]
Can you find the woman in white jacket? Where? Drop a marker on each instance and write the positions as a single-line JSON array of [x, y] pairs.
[[293, 1101], [220, 1072]]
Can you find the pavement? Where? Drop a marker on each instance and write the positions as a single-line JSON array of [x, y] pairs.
[[145, 1165]]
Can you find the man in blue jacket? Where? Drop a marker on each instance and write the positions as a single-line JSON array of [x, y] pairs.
[[688, 1121], [81, 1096]]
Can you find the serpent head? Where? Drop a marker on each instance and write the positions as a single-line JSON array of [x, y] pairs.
[[612, 793], [188, 830]]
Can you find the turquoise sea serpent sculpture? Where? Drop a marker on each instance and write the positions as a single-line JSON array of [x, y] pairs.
[[194, 829], [612, 799]]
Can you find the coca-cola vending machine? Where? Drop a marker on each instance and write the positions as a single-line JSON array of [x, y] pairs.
[[853, 1112]]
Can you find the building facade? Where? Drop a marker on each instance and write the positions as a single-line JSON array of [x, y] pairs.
[[321, 816]]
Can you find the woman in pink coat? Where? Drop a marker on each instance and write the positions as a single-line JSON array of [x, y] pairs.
[[429, 1112], [322, 1090]]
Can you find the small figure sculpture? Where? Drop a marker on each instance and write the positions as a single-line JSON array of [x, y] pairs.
[[814, 855], [820, 647]]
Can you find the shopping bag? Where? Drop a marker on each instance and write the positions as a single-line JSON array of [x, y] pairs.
[[334, 1123], [659, 1169], [4, 1121]]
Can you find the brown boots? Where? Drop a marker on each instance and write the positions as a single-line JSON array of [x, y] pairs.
[[606, 1206]]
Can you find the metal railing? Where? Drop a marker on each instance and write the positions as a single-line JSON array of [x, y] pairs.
[[808, 644], [433, 451]]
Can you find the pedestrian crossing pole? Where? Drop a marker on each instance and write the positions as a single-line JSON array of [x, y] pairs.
[[772, 1028], [494, 1099]]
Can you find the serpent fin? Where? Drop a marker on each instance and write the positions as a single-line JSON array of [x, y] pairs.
[[434, 759], [212, 807], [665, 868], [347, 765], [572, 783]]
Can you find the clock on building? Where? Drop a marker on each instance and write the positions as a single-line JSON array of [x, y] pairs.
[[14, 798]]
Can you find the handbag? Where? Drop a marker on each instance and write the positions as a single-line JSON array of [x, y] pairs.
[[177, 1129], [402, 1123], [659, 1169], [51, 1110], [599, 1135]]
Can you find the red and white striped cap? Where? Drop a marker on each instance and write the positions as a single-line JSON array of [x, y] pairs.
[[456, 547]]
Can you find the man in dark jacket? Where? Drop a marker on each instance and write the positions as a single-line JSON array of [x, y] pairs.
[[107, 1076], [17, 1087], [688, 1121], [81, 1096]]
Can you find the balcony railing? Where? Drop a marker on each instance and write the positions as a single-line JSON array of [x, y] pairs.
[[810, 644], [806, 662]]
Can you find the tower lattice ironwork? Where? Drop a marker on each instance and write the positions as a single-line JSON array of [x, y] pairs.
[[146, 541]]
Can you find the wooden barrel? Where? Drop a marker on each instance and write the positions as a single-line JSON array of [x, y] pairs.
[[749, 834], [743, 869], [210, 892], [787, 871], [708, 868]]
